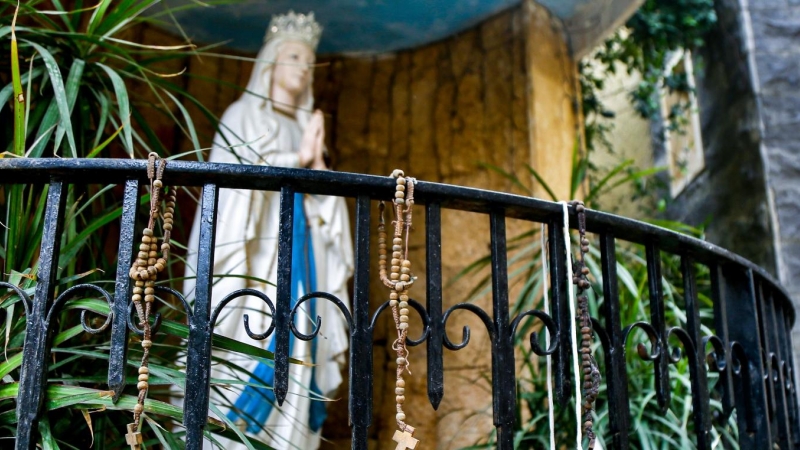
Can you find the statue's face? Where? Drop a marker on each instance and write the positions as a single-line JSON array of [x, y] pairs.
[[293, 68]]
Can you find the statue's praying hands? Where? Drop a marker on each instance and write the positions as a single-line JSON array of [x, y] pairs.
[[312, 147]]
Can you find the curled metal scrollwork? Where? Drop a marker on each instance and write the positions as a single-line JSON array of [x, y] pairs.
[[534, 336], [466, 332], [717, 359], [738, 359], [324, 295], [683, 336], [178, 295], [422, 313], [70, 293], [27, 304], [154, 327], [243, 293], [655, 342]]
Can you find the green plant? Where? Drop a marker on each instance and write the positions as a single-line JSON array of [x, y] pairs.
[[650, 428], [80, 89]]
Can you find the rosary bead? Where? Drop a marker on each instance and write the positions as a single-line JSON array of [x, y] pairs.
[[144, 275], [136, 298], [144, 247], [400, 201], [151, 271], [152, 260], [585, 351], [405, 270], [405, 277], [400, 286], [400, 187], [585, 270], [383, 256], [393, 296], [167, 215], [395, 262], [149, 291], [159, 267], [158, 184], [586, 330], [401, 417], [396, 248], [587, 370], [584, 241], [145, 239], [406, 263], [403, 326], [399, 194], [396, 253], [587, 385], [149, 298], [585, 248], [394, 276], [401, 180], [397, 241], [395, 268], [164, 247], [404, 311], [142, 255], [147, 343], [139, 284], [404, 297], [392, 302], [586, 357], [138, 408], [161, 261], [399, 391], [144, 370], [400, 383], [401, 361], [142, 385], [144, 377], [404, 319], [403, 304], [147, 232], [400, 399], [168, 226], [580, 208]]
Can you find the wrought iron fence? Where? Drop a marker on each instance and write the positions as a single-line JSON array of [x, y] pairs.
[[753, 315]]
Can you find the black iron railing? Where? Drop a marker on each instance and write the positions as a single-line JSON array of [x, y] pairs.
[[753, 316]]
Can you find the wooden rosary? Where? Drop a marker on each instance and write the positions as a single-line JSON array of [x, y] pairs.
[[591, 374], [399, 280], [144, 273]]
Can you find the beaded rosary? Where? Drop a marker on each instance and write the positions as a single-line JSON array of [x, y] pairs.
[[591, 374], [144, 273], [399, 281]]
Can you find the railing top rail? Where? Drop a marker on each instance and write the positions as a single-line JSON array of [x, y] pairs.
[[254, 177]]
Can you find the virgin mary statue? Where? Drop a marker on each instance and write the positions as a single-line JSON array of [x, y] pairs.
[[272, 124]]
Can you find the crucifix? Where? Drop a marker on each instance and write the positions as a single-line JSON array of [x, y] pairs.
[[405, 439]]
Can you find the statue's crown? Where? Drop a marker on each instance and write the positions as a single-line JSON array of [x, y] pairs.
[[299, 27]]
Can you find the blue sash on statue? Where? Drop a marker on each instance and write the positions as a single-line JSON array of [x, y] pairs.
[[255, 403]]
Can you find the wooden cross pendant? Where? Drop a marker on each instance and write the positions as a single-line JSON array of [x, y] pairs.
[[405, 439], [133, 438]]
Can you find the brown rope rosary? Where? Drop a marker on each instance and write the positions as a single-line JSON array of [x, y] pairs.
[[591, 374], [144, 273], [399, 280]]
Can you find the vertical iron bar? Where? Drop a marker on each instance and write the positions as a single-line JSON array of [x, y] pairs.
[[743, 328], [772, 328], [283, 306], [122, 288], [433, 247], [697, 362], [559, 307], [361, 334], [198, 360], [33, 374], [790, 387], [616, 375], [766, 352], [725, 383], [504, 390], [658, 320]]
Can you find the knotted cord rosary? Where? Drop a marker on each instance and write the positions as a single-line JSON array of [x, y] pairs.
[[591, 374], [144, 273], [399, 281]]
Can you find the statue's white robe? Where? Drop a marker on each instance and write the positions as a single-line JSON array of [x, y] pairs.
[[247, 244]]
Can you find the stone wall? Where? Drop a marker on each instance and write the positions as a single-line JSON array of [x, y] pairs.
[[502, 93], [730, 195], [775, 59]]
